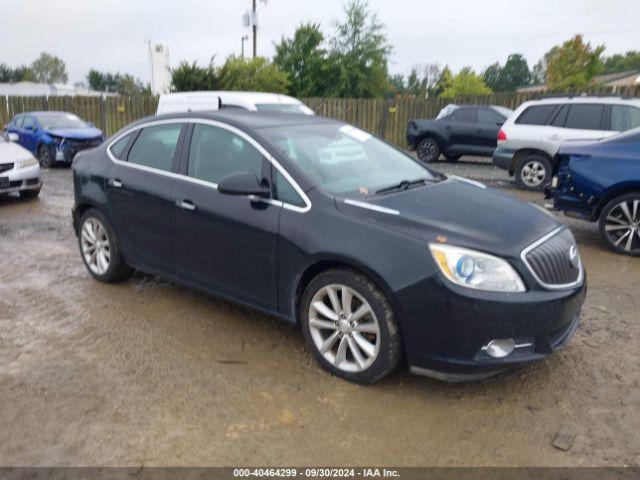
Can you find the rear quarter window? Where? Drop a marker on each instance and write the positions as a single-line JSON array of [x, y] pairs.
[[536, 115]]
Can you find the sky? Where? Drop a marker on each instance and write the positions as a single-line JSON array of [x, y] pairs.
[[111, 35]]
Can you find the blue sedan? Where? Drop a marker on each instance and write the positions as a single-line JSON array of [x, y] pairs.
[[601, 182], [54, 137]]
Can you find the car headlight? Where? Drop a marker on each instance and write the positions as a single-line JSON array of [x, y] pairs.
[[26, 163], [477, 270]]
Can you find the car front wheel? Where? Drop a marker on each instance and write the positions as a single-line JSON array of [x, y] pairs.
[[428, 150], [99, 249], [533, 172], [620, 224], [45, 156], [350, 326]]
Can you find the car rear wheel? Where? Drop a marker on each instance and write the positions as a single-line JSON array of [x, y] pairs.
[[99, 249], [533, 172], [350, 326], [45, 156], [620, 224], [428, 150]]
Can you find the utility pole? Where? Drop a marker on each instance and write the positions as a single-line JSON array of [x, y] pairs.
[[254, 25], [243, 39]]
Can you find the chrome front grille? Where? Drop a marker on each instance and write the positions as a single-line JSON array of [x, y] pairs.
[[554, 260]]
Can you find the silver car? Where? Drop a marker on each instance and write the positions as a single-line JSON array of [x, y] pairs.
[[530, 138], [19, 170]]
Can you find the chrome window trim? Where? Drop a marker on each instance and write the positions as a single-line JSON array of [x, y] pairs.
[[564, 286], [231, 128], [370, 206]]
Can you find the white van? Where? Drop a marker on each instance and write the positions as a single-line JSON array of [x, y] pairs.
[[216, 100]]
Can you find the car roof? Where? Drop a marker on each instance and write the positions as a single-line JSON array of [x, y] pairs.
[[247, 119], [585, 99], [231, 95]]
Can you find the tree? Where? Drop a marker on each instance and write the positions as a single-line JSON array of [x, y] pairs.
[[573, 65], [124, 84], [190, 77], [445, 81], [539, 70], [17, 74], [466, 82], [621, 63], [49, 69], [397, 84], [514, 74], [304, 60], [358, 61], [256, 74]]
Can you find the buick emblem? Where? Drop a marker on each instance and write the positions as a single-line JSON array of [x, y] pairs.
[[573, 257]]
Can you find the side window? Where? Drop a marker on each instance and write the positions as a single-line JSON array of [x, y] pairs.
[[117, 149], [285, 191], [467, 115], [561, 117], [488, 116], [217, 152], [28, 123], [17, 123], [536, 115], [624, 118], [155, 146], [584, 116]]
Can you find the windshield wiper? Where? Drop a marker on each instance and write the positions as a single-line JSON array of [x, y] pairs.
[[403, 185]]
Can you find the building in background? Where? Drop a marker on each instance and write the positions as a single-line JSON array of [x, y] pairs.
[[160, 74], [630, 78], [32, 89]]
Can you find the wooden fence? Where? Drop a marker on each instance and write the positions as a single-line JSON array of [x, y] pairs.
[[387, 118]]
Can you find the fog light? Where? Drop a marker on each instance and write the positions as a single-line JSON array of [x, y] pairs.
[[500, 348]]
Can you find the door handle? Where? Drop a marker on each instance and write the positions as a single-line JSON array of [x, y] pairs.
[[186, 205], [115, 183]]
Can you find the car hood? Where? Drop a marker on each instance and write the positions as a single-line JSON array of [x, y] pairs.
[[11, 152], [460, 213], [75, 133]]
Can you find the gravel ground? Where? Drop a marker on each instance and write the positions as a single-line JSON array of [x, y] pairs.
[[149, 373], [475, 168]]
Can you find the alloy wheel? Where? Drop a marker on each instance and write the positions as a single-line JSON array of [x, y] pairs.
[[622, 226], [428, 150], [344, 328], [533, 173], [95, 246]]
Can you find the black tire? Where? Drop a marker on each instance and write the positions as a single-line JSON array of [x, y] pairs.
[[117, 269], [428, 150], [390, 345], [46, 156], [26, 194], [452, 158], [533, 172], [617, 235]]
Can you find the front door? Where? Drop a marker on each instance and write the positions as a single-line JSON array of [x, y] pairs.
[[139, 190], [28, 138], [223, 243]]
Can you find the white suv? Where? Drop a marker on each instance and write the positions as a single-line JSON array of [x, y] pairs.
[[529, 139]]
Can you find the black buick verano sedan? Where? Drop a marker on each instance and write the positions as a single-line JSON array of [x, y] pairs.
[[379, 260]]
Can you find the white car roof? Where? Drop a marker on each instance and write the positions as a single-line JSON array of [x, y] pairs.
[[210, 100], [587, 99]]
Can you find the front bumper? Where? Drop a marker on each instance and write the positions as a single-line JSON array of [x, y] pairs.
[[445, 331], [503, 158], [17, 180]]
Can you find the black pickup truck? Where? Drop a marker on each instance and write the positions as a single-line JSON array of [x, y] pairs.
[[458, 130]]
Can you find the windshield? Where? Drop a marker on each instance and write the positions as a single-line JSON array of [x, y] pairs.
[[283, 107], [60, 120], [344, 159]]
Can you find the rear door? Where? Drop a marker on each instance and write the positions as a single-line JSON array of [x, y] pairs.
[[487, 127], [226, 244], [139, 188]]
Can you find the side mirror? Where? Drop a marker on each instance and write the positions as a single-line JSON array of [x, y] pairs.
[[13, 137], [242, 183]]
